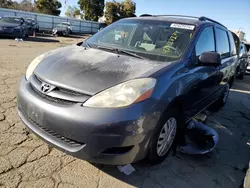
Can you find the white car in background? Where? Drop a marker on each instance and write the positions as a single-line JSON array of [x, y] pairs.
[[248, 49], [68, 25]]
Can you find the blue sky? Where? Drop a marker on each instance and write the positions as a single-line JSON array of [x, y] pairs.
[[235, 14]]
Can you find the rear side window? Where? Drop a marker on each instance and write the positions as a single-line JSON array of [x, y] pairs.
[[233, 50], [205, 42], [222, 43], [243, 49]]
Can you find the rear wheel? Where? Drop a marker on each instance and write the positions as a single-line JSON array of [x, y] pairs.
[[240, 74], [165, 136]]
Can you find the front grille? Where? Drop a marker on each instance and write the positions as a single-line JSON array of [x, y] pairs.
[[39, 79], [56, 135], [63, 90], [53, 99], [69, 91]]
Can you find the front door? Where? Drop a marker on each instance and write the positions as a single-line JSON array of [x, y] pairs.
[[205, 79]]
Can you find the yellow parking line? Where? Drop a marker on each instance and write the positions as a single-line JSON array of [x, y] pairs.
[[241, 91]]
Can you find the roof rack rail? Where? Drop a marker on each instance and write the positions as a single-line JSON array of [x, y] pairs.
[[145, 15], [182, 16], [203, 18]]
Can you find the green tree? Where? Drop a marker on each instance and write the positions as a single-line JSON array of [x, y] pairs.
[[127, 9], [93, 9], [118, 10], [73, 12], [26, 5], [112, 12], [6, 3], [48, 7]]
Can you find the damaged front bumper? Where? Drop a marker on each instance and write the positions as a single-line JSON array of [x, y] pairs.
[[107, 136], [200, 138]]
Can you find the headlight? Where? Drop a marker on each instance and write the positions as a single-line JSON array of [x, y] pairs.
[[124, 94], [33, 65]]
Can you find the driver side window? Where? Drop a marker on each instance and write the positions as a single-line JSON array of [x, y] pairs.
[[205, 42]]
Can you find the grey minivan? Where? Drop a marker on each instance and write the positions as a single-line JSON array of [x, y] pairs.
[[126, 93]]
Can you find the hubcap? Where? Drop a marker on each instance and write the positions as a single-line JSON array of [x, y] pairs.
[[225, 97], [166, 136]]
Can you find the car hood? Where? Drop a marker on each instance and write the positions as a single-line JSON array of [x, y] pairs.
[[60, 29], [91, 70], [6, 24]]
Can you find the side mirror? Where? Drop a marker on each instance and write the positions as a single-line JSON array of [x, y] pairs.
[[210, 59], [243, 56]]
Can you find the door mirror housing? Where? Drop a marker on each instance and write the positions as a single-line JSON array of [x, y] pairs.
[[210, 59], [243, 55]]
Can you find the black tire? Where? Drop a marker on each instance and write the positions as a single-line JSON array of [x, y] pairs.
[[153, 157], [217, 105], [240, 74]]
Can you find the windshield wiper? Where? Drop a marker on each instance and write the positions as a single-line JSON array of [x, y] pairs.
[[87, 44], [120, 51], [130, 54]]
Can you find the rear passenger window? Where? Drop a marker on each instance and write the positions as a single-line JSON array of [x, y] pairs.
[[222, 43], [233, 50], [242, 49], [206, 42]]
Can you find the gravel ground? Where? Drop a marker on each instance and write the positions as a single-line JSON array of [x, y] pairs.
[[25, 161]]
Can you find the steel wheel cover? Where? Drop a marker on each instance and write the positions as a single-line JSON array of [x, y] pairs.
[[166, 136]]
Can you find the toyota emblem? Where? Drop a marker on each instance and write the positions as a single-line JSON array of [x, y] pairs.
[[46, 88]]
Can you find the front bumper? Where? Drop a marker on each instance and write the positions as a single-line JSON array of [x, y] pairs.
[[248, 69], [107, 136], [14, 33]]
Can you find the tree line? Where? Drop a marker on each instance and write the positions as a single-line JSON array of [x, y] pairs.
[[51, 7], [89, 9]]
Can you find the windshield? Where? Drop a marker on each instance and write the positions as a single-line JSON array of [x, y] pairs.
[[61, 25], [155, 40], [10, 20], [67, 24]]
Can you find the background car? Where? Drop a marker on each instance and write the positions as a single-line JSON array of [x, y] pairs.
[[14, 27], [70, 27], [242, 62], [61, 29], [247, 45], [32, 25], [102, 26]]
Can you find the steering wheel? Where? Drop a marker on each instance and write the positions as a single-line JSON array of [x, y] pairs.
[[137, 45], [176, 51]]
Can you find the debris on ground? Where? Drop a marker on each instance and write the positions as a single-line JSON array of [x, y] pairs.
[[126, 169], [18, 40], [201, 117], [200, 139]]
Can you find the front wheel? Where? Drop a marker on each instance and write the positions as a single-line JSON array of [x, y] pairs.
[[165, 137]]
